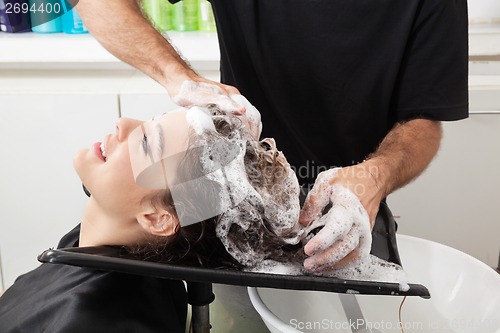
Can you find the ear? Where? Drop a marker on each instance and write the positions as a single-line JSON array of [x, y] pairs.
[[159, 223]]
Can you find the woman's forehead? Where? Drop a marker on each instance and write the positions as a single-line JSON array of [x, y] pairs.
[[156, 146], [195, 118], [170, 119]]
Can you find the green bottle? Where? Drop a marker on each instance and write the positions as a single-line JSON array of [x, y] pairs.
[[206, 21], [159, 13], [186, 15]]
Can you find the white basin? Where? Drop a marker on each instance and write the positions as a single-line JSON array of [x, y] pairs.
[[465, 297]]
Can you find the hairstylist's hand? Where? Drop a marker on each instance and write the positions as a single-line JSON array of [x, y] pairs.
[[190, 89], [355, 197]]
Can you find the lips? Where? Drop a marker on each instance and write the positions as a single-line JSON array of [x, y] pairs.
[[97, 150]]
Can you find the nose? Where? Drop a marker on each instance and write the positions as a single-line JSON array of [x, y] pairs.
[[124, 126]]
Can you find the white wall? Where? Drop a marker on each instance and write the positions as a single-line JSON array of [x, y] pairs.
[[45, 119]]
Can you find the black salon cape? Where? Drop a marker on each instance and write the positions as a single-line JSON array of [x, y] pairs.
[[331, 77], [59, 298]]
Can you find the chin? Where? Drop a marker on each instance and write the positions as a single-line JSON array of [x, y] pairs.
[[79, 163], [77, 159]]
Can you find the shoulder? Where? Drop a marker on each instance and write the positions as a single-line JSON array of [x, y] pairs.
[[441, 9], [146, 304], [70, 238], [64, 298]]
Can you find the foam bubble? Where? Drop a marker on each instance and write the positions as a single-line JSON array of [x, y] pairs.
[[351, 291], [346, 225], [403, 286], [255, 230], [277, 267], [199, 120], [371, 268], [268, 215]]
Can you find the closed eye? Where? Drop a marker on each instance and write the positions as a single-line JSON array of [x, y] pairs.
[[156, 141], [145, 144]]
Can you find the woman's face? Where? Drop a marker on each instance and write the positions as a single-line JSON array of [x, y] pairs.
[[109, 169]]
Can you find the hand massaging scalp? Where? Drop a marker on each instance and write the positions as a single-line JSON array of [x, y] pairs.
[[261, 194]]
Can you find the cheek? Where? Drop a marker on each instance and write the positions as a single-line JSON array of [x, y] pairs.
[[114, 188], [112, 183], [116, 174], [112, 178], [117, 183]]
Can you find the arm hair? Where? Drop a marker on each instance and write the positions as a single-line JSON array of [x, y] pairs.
[[121, 28], [405, 153]]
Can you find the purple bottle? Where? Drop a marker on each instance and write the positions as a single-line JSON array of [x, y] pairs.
[[14, 16]]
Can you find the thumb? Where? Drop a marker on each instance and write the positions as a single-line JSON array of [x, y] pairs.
[[319, 197], [314, 204]]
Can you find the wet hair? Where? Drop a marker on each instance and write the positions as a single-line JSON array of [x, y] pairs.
[[198, 244]]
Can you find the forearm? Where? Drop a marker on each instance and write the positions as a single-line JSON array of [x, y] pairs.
[[121, 28], [404, 154]]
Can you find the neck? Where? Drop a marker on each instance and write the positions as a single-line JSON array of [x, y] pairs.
[[100, 228]]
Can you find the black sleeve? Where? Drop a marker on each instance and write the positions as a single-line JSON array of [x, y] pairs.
[[433, 80]]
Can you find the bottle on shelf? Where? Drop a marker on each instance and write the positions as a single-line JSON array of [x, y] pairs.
[[185, 15], [47, 20], [14, 18], [72, 23], [159, 13], [206, 21]]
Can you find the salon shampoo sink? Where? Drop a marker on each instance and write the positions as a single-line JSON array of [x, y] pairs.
[[465, 298]]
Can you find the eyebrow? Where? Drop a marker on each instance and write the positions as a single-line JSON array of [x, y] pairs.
[[161, 139], [161, 145]]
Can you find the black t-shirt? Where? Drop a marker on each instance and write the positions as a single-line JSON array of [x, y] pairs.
[[61, 298], [331, 77]]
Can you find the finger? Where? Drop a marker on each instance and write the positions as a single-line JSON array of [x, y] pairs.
[[338, 225], [326, 260], [318, 198], [252, 119], [227, 105], [348, 259], [201, 93], [364, 226], [365, 240]]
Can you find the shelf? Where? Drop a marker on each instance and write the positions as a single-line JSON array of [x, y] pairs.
[[59, 51], [484, 41]]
